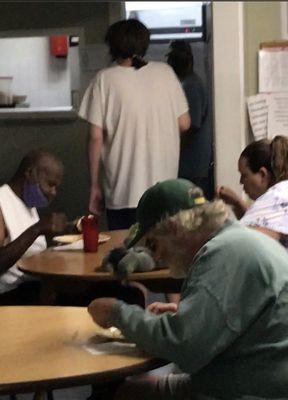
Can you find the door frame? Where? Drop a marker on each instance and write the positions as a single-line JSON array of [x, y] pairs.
[[230, 118]]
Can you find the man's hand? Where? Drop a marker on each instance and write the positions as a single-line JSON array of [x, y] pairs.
[[101, 311], [160, 308], [95, 201], [53, 223]]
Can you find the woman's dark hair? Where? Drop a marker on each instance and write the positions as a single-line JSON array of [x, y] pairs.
[[271, 154], [180, 58], [128, 39]]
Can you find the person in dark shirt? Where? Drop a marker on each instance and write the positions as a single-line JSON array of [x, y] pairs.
[[196, 145]]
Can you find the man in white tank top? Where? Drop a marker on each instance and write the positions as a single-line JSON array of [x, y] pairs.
[[33, 186]]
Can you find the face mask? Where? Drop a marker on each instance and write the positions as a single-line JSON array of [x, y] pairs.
[[33, 196]]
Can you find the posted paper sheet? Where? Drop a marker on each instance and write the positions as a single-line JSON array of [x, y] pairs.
[[273, 70], [268, 114], [278, 115], [258, 115]]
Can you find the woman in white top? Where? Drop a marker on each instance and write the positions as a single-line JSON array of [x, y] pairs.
[[263, 166]]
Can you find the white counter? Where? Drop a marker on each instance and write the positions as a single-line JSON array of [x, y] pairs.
[[38, 113]]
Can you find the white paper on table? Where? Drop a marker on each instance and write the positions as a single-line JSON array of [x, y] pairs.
[[278, 115], [258, 114], [109, 348], [273, 69], [78, 245]]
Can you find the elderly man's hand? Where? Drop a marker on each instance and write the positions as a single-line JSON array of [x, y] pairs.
[[101, 311], [159, 308]]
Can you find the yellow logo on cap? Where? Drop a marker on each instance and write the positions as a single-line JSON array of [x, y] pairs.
[[199, 200]]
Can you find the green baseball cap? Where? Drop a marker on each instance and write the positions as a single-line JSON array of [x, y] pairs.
[[162, 200]]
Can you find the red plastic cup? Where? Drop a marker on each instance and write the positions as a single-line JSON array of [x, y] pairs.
[[90, 233]]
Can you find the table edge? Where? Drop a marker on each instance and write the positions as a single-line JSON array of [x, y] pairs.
[[96, 378]]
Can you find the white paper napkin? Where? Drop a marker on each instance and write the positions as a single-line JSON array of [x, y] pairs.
[[109, 348], [78, 245]]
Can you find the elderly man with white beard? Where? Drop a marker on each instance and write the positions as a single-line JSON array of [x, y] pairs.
[[229, 332]]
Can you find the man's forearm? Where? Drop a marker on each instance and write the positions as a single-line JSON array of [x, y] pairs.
[[240, 207], [95, 146], [184, 122], [11, 253], [145, 329]]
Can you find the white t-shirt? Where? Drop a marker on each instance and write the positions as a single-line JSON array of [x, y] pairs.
[[270, 211], [138, 110], [17, 217]]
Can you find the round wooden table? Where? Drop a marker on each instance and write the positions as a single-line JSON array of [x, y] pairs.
[[79, 266], [42, 348]]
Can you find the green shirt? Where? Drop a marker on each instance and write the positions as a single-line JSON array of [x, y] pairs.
[[231, 328]]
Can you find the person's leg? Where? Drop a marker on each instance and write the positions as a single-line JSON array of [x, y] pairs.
[[9, 298], [172, 297], [28, 293], [153, 387], [120, 219]]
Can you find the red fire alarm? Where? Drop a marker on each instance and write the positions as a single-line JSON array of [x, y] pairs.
[[59, 45]]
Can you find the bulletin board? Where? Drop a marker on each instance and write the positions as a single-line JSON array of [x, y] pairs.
[[268, 110]]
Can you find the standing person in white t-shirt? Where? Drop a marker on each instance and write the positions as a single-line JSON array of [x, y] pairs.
[[136, 110]]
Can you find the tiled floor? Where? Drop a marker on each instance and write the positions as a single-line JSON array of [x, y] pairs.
[[76, 393]]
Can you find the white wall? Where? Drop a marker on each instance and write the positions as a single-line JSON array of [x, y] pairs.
[[36, 73], [229, 99]]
